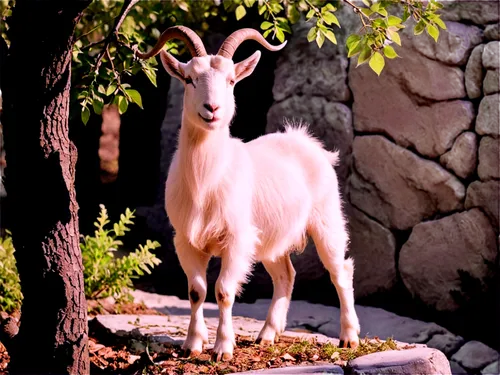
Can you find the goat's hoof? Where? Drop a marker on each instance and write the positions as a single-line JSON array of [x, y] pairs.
[[225, 357], [351, 341]]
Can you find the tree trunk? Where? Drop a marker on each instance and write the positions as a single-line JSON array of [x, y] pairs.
[[40, 177]]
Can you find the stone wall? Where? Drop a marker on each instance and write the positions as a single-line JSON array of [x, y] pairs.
[[419, 149]]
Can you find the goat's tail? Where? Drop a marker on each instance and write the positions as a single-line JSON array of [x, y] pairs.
[[302, 128]]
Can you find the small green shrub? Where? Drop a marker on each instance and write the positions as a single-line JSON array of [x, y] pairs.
[[106, 275], [10, 289]]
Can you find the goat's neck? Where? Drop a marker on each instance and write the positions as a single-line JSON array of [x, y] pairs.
[[203, 157]]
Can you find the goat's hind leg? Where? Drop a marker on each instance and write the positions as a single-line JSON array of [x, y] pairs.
[[283, 275], [194, 263], [331, 242]]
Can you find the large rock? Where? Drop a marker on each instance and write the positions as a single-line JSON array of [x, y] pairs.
[[373, 248], [312, 369], [462, 157], [491, 55], [474, 73], [418, 361], [491, 82], [417, 75], [412, 126], [479, 12], [492, 369], [378, 322], [488, 115], [489, 158], [329, 121], [303, 68], [436, 251], [492, 32], [403, 188], [453, 46], [474, 355], [485, 195], [448, 343]]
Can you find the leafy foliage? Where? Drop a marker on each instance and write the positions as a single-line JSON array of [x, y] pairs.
[[103, 52], [106, 275], [10, 289]]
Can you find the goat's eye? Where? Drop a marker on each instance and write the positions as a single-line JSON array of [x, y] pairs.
[[188, 80], [231, 82]]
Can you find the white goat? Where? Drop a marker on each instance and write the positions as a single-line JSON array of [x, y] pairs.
[[247, 202]]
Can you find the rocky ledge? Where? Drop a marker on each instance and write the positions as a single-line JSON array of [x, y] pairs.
[[433, 349]]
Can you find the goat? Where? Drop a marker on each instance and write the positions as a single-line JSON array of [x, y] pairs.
[[247, 202]]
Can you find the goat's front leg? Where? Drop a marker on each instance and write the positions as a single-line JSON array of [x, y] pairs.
[[234, 270], [194, 263], [283, 275]]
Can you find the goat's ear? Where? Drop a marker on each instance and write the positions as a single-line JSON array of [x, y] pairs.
[[244, 68], [173, 66]]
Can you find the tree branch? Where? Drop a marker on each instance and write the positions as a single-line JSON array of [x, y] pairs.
[[127, 5]]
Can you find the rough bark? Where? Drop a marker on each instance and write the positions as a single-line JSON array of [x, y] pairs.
[[40, 178]]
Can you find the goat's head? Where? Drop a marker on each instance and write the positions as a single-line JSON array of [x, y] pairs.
[[209, 79]]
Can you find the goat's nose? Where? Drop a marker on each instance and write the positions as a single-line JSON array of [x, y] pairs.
[[212, 108]]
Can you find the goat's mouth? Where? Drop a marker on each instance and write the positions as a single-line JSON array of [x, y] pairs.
[[208, 120]]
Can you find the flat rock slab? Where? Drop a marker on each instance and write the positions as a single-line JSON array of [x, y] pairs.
[[172, 329], [418, 361], [307, 369], [475, 355], [326, 319]]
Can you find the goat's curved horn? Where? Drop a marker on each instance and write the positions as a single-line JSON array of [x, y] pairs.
[[188, 36], [233, 41]]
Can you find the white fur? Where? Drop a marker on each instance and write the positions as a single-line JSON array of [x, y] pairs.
[[249, 202]]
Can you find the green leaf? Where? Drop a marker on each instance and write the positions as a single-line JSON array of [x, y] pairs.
[[390, 53], [352, 41], [331, 36], [262, 9], [382, 12], [406, 14], [395, 37], [97, 104], [419, 28], [111, 89], [366, 12], [393, 20], [135, 96], [440, 23], [101, 89], [331, 18], [433, 31], [122, 104], [240, 12], [85, 115], [355, 49], [375, 7], [249, 3], [292, 13], [151, 74], [328, 8], [266, 25], [311, 35], [280, 35], [310, 14], [320, 39], [365, 54], [377, 62], [267, 32], [366, 2]]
